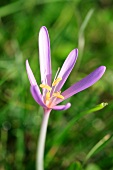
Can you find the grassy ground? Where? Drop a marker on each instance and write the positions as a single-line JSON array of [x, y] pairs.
[[69, 24]]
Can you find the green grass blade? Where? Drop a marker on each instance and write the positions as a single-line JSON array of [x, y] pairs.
[[20, 5], [102, 143], [81, 38], [61, 136]]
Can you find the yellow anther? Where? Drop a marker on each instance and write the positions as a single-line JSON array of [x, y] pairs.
[[48, 96], [45, 86], [56, 81], [58, 95]]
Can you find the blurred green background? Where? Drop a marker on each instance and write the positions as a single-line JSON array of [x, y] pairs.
[[83, 24]]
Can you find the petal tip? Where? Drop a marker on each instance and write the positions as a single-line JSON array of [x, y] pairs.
[[27, 62], [75, 53], [27, 66], [68, 105], [30, 74], [43, 28], [62, 107], [102, 69], [76, 49]]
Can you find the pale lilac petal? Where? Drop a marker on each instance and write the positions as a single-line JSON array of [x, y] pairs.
[[35, 91], [67, 68], [44, 56], [85, 82], [62, 107], [30, 74]]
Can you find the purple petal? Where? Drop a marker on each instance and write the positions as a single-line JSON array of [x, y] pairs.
[[35, 91], [62, 107], [30, 74], [85, 82], [67, 68], [44, 56]]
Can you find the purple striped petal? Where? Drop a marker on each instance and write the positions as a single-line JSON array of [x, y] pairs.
[[85, 82], [35, 91], [67, 68], [62, 107], [30, 74], [44, 56]]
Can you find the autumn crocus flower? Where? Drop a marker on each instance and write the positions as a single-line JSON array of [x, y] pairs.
[[51, 91], [51, 94]]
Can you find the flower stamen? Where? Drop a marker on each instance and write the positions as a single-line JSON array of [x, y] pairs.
[[55, 82], [48, 96], [45, 86], [58, 95]]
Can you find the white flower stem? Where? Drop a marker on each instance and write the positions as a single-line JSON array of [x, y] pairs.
[[41, 141]]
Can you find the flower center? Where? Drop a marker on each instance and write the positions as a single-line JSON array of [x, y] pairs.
[[50, 92]]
